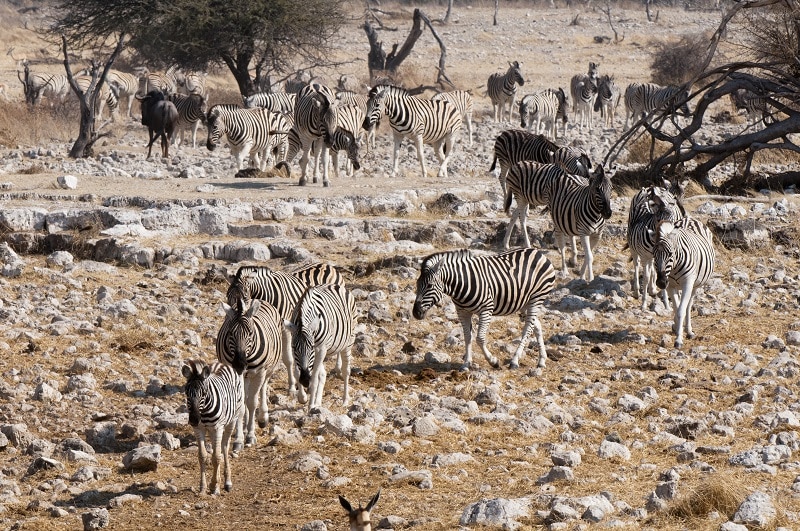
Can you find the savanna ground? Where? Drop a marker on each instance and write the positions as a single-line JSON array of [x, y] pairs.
[[267, 494]]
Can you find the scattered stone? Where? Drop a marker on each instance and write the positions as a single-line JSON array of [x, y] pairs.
[[143, 458]]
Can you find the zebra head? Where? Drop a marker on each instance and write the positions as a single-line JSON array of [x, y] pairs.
[[429, 285], [662, 204], [303, 342], [196, 373], [593, 71], [514, 73], [216, 128], [663, 252], [240, 342], [601, 191], [563, 102], [375, 106], [525, 111], [343, 139]]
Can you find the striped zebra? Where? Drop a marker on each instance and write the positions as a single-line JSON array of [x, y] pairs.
[[250, 132], [349, 119], [502, 90], [215, 400], [108, 95], [583, 89], [53, 87], [684, 260], [578, 208], [648, 206], [572, 160], [463, 102], [755, 106], [501, 284], [424, 121], [126, 85], [312, 118], [607, 100], [323, 323], [347, 97], [166, 82], [643, 98], [275, 101], [514, 145], [283, 291], [191, 111], [252, 330], [545, 107], [191, 83]]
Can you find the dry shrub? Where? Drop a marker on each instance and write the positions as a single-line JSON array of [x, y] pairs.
[[721, 493], [137, 335], [639, 150], [33, 169], [676, 63], [20, 124]]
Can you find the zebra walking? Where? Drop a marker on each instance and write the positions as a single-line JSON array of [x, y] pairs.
[[502, 90], [312, 118], [578, 208], [191, 111], [282, 291], [253, 132], [463, 102], [323, 323], [251, 330], [424, 121], [545, 107], [502, 284], [514, 145], [215, 400], [684, 261], [607, 99], [583, 89], [755, 106], [642, 98]]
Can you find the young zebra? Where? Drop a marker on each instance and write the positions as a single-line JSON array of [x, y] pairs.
[[282, 291], [514, 145], [502, 284], [360, 516], [348, 119], [546, 107], [583, 89], [252, 330], [643, 98], [312, 117], [191, 111], [424, 121], [463, 102], [248, 131], [215, 400], [607, 100], [323, 323], [502, 89], [347, 97], [684, 261], [581, 209]]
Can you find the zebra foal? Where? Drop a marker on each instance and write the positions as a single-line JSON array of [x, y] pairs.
[[502, 284], [546, 107], [215, 400], [323, 322], [502, 90]]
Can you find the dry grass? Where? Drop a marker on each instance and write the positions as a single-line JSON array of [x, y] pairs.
[[21, 125]]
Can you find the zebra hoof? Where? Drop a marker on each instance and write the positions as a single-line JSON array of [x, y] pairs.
[[262, 424], [228, 487], [495, 363], [678, 344], [513, 365], [464, 367], [326, 184], [237, 447], [690, 335], [303, 182], [251, 440]]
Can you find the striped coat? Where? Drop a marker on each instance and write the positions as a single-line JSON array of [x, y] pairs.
[[463, 102], [249, 132], [502, 90], [643, 98], [514, 145], [544, 107]]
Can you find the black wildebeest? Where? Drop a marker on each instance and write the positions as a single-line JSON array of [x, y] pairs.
[[161, 118]]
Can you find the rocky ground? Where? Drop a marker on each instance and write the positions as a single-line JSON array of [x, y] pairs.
[[106, 288]]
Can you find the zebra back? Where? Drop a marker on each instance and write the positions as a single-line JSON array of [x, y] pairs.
[[409, 116], [460, 98], [574, 161], [192, 108], [214, 393], [274, 101], [514, 145]]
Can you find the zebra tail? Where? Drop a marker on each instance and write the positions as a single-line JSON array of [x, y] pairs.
[[284, 164], [494, 163]]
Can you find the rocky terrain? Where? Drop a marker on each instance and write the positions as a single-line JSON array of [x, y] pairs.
[[113, 273]]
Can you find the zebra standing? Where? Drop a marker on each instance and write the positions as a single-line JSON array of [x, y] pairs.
[[215, 400], [323, 322], [607, 100], [684, 261], [191, 111], [463, 102], [347, 97], [573, 160], [108, 95], [349, 119], [642, 98], [54, 87], [282, 291], [578, 208], [755, 106], [275, 101], [583, 90], [312, 118], [546, 107], [514, 145], [126, 84], [502, 89], [166, 82], [248, 131], [425, 121], [502, 284], [251, 330], [192, 83]]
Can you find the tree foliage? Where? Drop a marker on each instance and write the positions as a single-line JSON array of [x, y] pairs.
[[253, 38]]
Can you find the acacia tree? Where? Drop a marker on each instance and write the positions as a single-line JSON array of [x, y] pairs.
[[253, 38]]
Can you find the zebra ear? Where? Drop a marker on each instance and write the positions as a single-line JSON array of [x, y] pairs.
[[255, 304], [666, 228], [230, 313], [186, 370], [206, 372]]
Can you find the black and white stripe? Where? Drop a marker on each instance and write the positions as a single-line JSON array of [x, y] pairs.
[[53, 87], [347, 97], [323, 323], [215, 400], [312, 118], [249, 132], [545, 107], [502, 90], [583, 89], [191, 111], [349, 119], [642, 98], [580, 208], [514, 145], [755, 106], [273, 101], [684, 260], [607, 101], [573, 160], [192, 83], [252, 330], [166, 82], [108, 95], [424, 121], [463, 102], [503, 284]]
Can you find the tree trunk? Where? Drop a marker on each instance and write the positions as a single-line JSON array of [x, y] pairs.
[[446, 18], [240, 68], [496, 8]]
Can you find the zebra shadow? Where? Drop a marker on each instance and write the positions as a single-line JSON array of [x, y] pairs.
[[252, 184]]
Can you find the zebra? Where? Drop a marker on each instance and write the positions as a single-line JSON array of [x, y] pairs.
[[425, 121], [514, 145], [108, 95], [463, 102], [500, 284], [248, 131], [648, 206], [347, 97], [580, 208], [349, 119], [502, 89], [359, 517], [251, 330], [323, 322], [684, 260], [312, 118], [583, 89], [192, 83], [574, 161], [642, 98], [54, 87], [191, 111], [754, 105], [126, 85], [166, 82], [607, 99], [215, 400], [546, 107], [276, 101], [283, 291]]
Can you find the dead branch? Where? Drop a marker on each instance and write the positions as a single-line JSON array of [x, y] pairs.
[[607, 11]]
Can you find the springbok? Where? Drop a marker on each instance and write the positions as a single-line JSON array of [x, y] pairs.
[[360, 517]]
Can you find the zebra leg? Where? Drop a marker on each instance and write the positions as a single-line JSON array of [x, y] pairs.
[[466, 325], [398, 139], [469, 127], [325, 180], [200, 435], [226, 444], [345, 358], [288, 362], [636, 268], [318, 376], [573, 260], [586, 270], [263, 404], [531, 320], [688, 317], [253, 381], [304, 165], [484, 318], [447, 150], [195, 127], [523, 220], [510, 227], [421, 155], [216, 441], [562, 248]]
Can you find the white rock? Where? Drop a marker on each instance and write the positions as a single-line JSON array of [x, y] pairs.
[[69, 182]]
